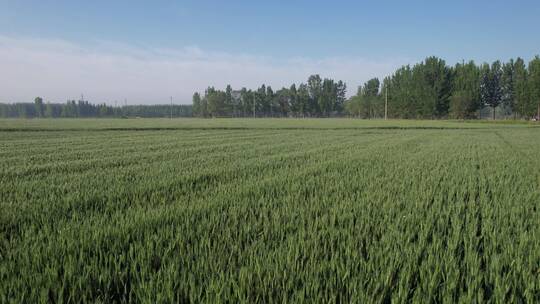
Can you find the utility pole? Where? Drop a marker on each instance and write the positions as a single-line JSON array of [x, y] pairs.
[[386, 104], [171, 107], [253, 106]]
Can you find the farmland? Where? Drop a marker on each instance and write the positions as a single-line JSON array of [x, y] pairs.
[[269, 210]]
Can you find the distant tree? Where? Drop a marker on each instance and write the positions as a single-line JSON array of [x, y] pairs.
[[260, 100], [283, 98], [24, 111], [402, 102], [369, 98], [197, 104], [4, 110], [216, 102], [104, 110], [371, 87], [86, 109], [246, 101], [508, 98], [534, 87], [384, 94], [490, 86], [341, 92], [422, 91], [39, 109], [461, 105], [229, 102], [293, 99], [49, 110], [203, 112], [315, 91], [327, 97], [352, 106], [269, 101], [303, 99], [521, 89], [435, 87], [69, 109], [465, 99]]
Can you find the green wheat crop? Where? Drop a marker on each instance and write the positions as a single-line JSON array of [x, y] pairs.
[[269, 211]]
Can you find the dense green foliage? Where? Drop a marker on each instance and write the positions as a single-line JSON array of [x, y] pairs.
[[318, 98], [84, 109], [428, 90], [247, 211], [431, 89]]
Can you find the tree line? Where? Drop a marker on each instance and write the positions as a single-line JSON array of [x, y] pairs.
[[432, 89], [316, 98], [85, 109]]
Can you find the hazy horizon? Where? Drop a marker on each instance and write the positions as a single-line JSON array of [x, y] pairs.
[[146, 53]]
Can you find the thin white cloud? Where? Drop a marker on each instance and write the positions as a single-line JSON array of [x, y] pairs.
[[104, 72]]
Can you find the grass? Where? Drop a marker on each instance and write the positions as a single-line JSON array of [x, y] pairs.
[[243, 123], [270, 210]]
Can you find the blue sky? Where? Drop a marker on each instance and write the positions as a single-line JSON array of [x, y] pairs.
[[271, 41]]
